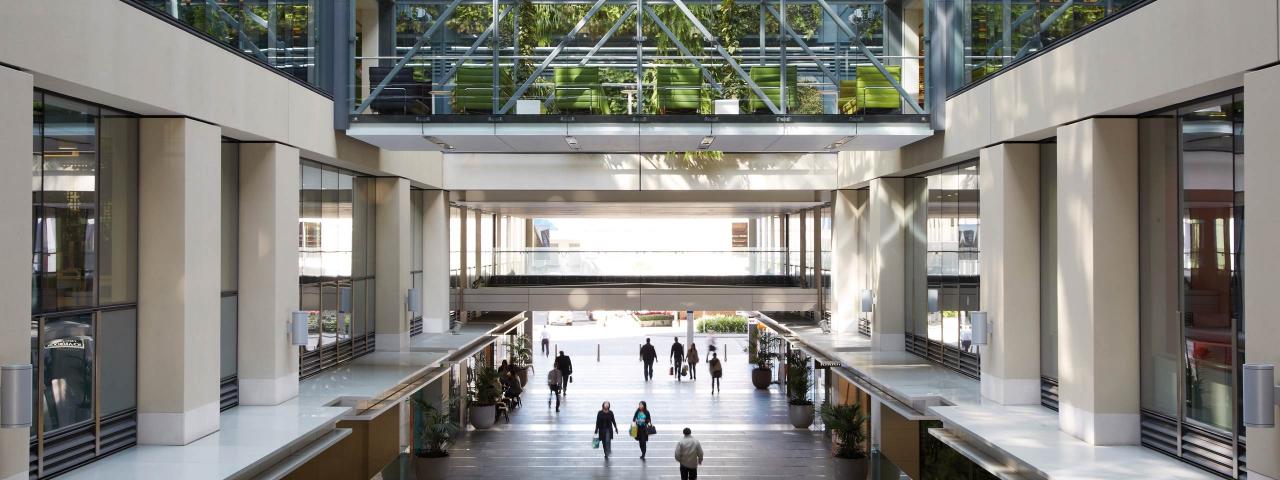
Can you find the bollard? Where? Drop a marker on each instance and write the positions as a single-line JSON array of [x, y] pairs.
[[597, 353]]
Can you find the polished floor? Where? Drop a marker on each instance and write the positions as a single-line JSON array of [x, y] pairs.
[[744, 432]]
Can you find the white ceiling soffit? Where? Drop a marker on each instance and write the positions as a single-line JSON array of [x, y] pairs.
[[639, 209], [644, 137]]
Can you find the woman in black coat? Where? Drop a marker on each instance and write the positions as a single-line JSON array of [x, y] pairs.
[[605, 420], [642, 419]]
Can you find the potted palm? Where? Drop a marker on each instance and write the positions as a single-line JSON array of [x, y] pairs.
[[435, 433], [522, 357], [800, 407], [482, 397], [846, 424], [763, 357]]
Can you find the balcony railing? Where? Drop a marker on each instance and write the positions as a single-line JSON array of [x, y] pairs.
[[634, 263], [460, 58]]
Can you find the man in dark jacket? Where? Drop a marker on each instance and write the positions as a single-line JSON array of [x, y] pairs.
[[677, 357], [648, 355], [565, 366]]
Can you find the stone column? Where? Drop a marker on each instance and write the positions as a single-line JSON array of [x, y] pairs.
[[1098, 382], [1262, 228], [846, 282], [435, 261], [268, 362], [179, 197], [391, 264], [1009, 184], [888, 235], [15, 249]]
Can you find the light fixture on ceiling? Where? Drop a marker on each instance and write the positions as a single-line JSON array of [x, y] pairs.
[[572, 141], [706, 142], [439, 143], [839, 143]]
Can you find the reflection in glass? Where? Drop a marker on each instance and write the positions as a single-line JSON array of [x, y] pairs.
[[117, 179], [67, 365], [951, 227], [65, 252]]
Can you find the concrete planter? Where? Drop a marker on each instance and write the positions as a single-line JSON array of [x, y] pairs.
[[430, 468], [761, 377], [801, 415], [483, 416]]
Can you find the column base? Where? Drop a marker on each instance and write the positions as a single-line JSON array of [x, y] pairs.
[[268, 391], [1099, 428], [1258, 476], [888, 342], [160, 428], [392, 342], [1011, 391]]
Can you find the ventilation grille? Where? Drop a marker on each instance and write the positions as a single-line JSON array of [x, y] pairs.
[[415, 326], [1208, 450], [315, 361], [229, 393], [864, 327], [1049, 393], [73, 448], [944, 355]]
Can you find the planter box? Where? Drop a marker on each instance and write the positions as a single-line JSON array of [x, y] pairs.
[[761, 377], [655, 323], [483, 417], [801, 416]]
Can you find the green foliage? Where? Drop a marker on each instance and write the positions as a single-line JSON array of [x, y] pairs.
[[764, 355], [521, 350], [654, 317], [486, 385], [846, 424], [798, 380], [723, 324], [434, 429]]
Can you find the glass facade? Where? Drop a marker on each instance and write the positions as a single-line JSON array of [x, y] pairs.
[[943, 245], [997, 33], [229, 305], [84, 279], [279, 33], [1192, 320], [335, 264], [417, 205], [462, 68]]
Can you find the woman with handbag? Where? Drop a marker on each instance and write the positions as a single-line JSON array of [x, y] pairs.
[[605, 419], [642, 423], [692, 358]]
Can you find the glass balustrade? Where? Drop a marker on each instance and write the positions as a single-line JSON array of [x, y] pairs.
[[555, 262]]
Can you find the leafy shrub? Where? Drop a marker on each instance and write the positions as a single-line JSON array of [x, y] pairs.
[[723, 324], [654, 317]]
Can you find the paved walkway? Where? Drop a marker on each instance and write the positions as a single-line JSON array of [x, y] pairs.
[[744, 432]]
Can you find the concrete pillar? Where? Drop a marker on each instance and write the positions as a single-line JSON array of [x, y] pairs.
[[268, 363], [888, 235], [1009, 183], [846, 283], [15, 249], [1098, 381], [180, 190], [391, 264], [435, 261], [1262, 228]]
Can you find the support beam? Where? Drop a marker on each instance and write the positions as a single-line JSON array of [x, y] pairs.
[[179, 191], [268, 263], [391, 264], [417, 47], [608, 35], [857, 42], [888, 263], [796, 37], [1097, 198], [537, 71], [715, 42], [666, 30], [435, 261], [15, 248], [1009, 183], [1262, 228], [484, 36]]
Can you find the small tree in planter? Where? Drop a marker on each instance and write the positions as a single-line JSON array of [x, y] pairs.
[[482, 396], [522, 357], [798, 384], [435, 431], [846, 424], [763, 357]]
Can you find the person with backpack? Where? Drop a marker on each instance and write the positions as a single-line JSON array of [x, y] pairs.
[[648, 355], [555, 380], [717, 370], [641, 422]]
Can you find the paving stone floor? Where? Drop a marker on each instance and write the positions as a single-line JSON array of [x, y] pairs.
[[744, 432]]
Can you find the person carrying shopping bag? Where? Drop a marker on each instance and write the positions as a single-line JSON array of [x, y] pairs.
[[642, 426], [604, 420]]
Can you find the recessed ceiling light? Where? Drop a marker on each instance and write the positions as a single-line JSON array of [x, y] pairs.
[[706, 142], [572, 141]]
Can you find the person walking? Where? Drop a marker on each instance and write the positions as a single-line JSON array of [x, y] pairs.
[[716, 371], [711, 343], [546, 342], [605, 419], [555, 380], [692, 359], [648, 355], [677, 358], [566, 370], [689, 454], [642, 420]]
